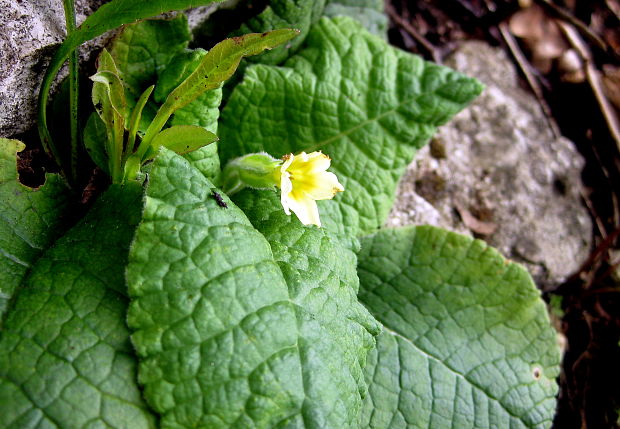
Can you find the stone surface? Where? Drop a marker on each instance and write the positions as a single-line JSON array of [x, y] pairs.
[[32, 30], [496, 171]]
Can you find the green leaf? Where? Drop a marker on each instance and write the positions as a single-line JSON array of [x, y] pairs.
[[368, 12], [178, 69], [204, 110], [109, 90], [222, 61], [65, 356], [144, 49], [30, 220], [466, 342], [135, 118], [367, 105], [183, 138], [108, 96], [109, 16], [221, 341], [320, 271], [95, 138], [299, 14], [206, 160]]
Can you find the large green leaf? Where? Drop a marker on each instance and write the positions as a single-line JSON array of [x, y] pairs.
[[347, 93], [221, 339], [109, 16], [467, 341], [65, 356], [143, 50], [30, 220], [368, 12], [321, 275], [299, 14]]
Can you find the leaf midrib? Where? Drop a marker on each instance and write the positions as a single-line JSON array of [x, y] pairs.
[[362, 124]]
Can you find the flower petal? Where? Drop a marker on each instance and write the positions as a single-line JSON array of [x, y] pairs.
[[306, 210], [325, 187], [309, 164], [286, 187]]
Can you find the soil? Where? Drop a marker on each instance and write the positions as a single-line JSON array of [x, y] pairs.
[[568, 52]]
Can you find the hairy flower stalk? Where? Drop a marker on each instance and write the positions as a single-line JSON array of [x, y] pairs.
[[303, 179]]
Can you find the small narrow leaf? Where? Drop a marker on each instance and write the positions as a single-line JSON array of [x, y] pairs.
[[108, 96], [95, 138], [203, 111], [466, 342], [222, 61], [183, 138], [114, 93], [30, 220], [134, 120], [65, 356]]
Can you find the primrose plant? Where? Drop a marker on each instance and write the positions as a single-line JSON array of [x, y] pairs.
[[189, 296]]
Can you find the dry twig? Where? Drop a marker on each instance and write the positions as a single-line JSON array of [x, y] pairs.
[[531, 80], [597, 219], [583, 28], [594, 79], [602, 250], [428, 46]]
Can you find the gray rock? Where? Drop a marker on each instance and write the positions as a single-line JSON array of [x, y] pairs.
[[32, 31], [496, 171]]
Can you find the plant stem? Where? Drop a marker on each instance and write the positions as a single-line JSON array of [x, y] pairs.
[[162, 116], [73, 91]]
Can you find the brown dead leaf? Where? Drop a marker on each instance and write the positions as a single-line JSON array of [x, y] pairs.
[[474, 224], [571, 67], [541, 34]]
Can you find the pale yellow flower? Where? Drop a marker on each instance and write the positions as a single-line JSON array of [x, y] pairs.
[[303, 180]]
